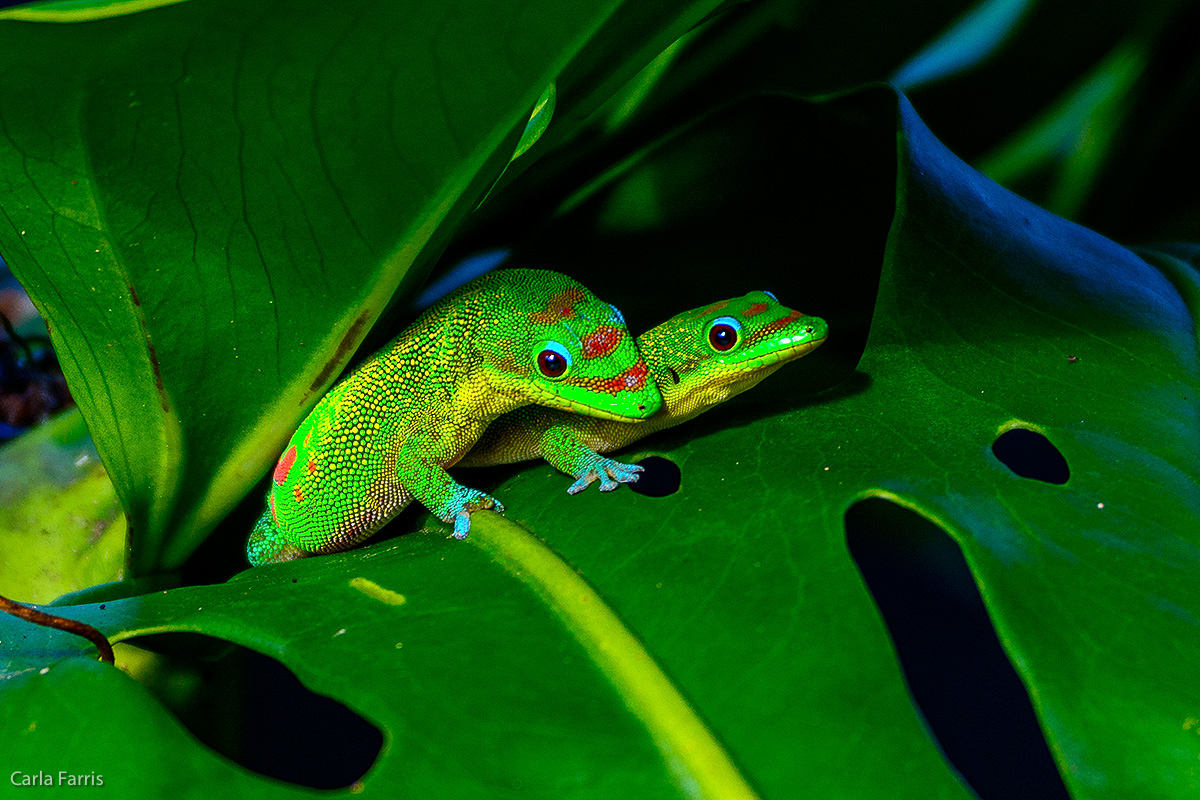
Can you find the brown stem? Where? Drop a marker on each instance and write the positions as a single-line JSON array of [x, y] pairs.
[[61, 623]]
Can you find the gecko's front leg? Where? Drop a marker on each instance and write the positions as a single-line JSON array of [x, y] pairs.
[[561, 448], [446, 498]]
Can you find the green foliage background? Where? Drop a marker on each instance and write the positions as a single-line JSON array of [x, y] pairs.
[[214, 203]]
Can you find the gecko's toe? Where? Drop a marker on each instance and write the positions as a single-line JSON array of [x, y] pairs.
[[462, 525], [622, 473], [585, 480]]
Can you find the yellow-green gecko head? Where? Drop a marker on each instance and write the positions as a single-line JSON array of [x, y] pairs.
[[556, 344], [705, 356]]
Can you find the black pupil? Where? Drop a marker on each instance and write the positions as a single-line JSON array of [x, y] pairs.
[[722, 337], [551, 363]]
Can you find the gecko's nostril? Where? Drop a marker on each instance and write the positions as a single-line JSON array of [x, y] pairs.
[[641, 407]]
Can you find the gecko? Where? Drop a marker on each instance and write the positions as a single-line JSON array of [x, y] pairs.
[[698, 359], [385, 434]]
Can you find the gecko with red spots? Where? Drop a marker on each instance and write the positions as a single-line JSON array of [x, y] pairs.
[[386, 434], [698, 359]]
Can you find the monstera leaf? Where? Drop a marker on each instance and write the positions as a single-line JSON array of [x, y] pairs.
[[719, 641]]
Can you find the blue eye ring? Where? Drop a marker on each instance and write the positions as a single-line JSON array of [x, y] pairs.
[[553, 360], [771, 295], [724, 333], [618, 317]]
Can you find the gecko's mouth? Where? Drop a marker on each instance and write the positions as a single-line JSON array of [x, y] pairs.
[[552, 399], [776, 356]]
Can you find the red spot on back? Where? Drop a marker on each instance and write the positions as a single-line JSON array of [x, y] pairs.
[[285, 465], [298, 494], [311, 466], [271, 503], [308, 437], [559, 306], [755, 310], [601, 341]]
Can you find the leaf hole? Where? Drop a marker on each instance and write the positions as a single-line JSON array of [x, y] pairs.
[[1031, 455], [968, 693], [660, 477], [253, 710]]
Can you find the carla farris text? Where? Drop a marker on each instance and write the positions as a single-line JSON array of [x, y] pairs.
[[61, 778]]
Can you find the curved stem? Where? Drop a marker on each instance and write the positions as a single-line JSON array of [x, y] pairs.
[[701, 766], [60, 623]]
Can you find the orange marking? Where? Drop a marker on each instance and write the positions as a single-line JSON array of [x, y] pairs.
[[285, 465], [630, 380], [755, 310], [559, 306], [308, 437], [311, 466], [714, 307], [298, 494], [771, 327], [601, 341], [634, 378], [271, 503]]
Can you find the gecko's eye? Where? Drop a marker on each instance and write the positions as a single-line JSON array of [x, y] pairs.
[[553, 360], [723, 334]]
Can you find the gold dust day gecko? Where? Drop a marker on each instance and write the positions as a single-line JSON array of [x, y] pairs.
[[386, 433], [698, 359]]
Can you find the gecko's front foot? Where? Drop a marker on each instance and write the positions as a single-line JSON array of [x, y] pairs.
[[461, 513], [611, 474]]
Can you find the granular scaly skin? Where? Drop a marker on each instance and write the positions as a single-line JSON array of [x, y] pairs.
[[386, 433], [692, 374]]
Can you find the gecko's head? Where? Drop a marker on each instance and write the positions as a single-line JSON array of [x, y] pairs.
[[560, 346], [705, 356]]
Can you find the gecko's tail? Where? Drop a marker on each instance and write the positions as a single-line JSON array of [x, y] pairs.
[[266, 544]]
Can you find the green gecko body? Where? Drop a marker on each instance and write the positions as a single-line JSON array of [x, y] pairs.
[[385, 434], [698, 359]]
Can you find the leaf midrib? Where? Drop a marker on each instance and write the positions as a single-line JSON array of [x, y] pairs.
[[700, 766]]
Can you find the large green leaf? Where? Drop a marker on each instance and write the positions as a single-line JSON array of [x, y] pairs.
[[211, 202], [721, 638]]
